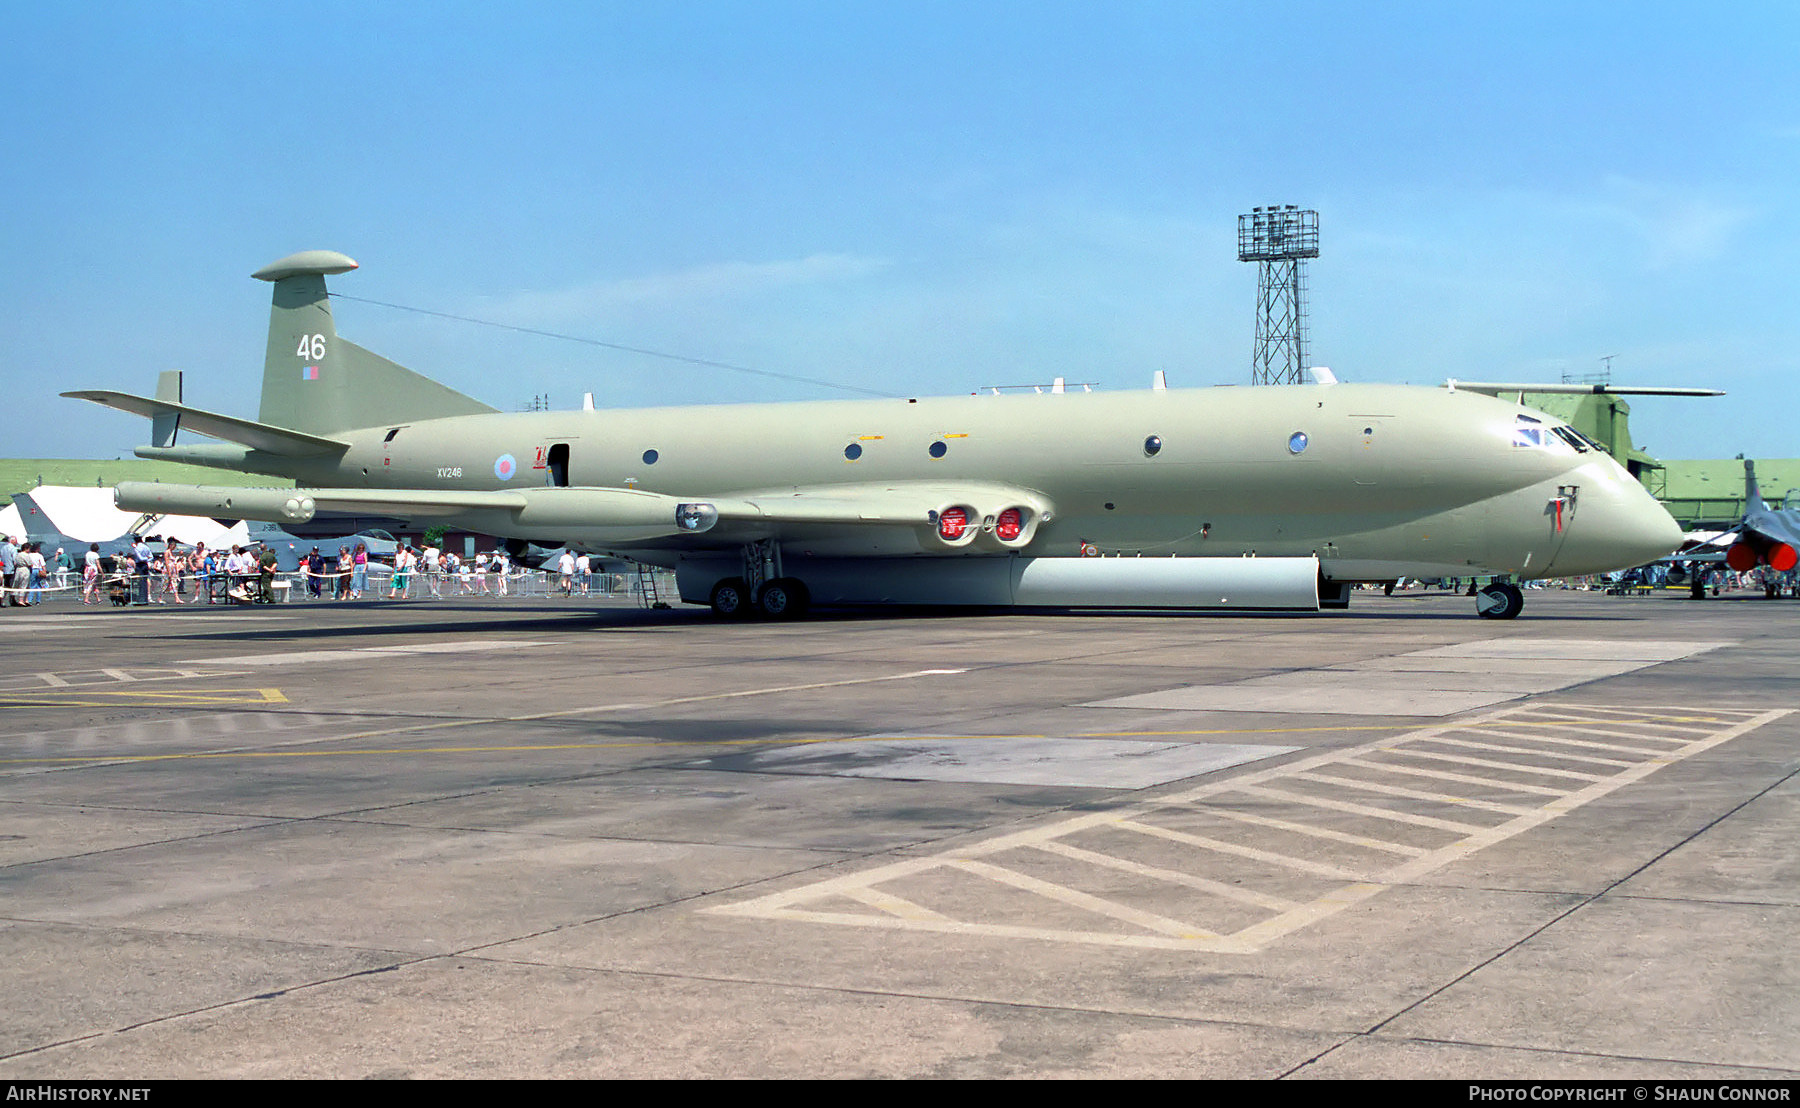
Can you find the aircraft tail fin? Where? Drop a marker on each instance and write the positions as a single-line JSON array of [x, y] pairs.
[[1753, 501], [317, 383]]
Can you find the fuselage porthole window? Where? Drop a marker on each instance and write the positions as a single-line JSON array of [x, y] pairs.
[[650, 457], [938, 449], [1152, 445], [853, 451], [1297, 442]]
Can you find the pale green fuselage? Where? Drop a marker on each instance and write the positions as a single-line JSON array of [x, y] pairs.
[[1393, 480]]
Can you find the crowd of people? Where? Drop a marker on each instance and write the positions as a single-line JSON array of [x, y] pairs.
[[25, 572], [145, 573]]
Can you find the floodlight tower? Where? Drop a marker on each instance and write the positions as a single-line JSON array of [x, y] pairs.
[[1281, 238]]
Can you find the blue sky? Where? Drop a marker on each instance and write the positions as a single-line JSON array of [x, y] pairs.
[[917, 198]]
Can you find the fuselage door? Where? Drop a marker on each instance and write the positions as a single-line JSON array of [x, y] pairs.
[[557, 467]]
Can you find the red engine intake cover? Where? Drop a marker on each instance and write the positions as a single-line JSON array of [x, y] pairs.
[[1783, 557], [1741, 557]]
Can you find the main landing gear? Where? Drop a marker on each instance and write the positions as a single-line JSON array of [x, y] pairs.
[[761, 590], [782, 598], [1500, 600]]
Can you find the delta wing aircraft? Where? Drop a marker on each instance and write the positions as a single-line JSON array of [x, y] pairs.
[[1232, 498]]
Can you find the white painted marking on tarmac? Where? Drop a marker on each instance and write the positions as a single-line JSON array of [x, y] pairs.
[[1150, 921], [894, 905], [1502, 748], [1360, 809], [1333, 886], [84, 678], [1489, 763], [1355, 783], [1438, 681]]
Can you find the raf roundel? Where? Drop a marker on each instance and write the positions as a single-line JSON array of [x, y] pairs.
[[505, 467]]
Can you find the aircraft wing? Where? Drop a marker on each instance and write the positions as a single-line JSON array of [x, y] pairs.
[[1496, 388], [257, 436], [611, 514]]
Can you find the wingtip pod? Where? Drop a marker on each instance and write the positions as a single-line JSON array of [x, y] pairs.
[[307, 262]]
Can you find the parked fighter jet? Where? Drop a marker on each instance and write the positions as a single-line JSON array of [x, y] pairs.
[[1768, 536], [1267, 498]]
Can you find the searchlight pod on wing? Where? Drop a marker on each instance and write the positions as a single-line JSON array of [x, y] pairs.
[[1220, 498]]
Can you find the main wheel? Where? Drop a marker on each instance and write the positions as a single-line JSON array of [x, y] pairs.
[[783, 598], [1499, 601], [730, 598]]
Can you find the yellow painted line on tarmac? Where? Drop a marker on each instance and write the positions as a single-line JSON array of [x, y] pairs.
[[531, 748], [415, 728]]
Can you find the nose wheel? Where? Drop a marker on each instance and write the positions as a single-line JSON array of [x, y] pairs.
[[1499, 600]]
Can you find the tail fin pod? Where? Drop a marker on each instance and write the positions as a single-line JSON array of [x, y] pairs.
[[315, 382]]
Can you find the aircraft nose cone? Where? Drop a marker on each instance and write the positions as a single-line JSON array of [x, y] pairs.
[[1616, 526]]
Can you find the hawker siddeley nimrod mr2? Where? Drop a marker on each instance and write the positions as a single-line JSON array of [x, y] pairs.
[[1222, 498]]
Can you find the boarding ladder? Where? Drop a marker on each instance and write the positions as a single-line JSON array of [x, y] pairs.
[[647, 595]]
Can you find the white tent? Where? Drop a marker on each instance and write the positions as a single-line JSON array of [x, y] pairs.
[[88, 515]]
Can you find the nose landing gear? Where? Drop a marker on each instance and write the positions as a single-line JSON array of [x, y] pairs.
[[1500, 600]]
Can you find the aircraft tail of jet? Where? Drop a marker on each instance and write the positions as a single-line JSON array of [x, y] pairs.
[[320, 384], [1753, 501]]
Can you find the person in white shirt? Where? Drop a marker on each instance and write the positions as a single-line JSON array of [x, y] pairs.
[[34, 559], [584, 567], [565, 566], [401, 585], [90, 575], [238, 568]]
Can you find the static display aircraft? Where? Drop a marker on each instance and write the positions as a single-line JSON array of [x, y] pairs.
[[1768, 536], [1223, 498]]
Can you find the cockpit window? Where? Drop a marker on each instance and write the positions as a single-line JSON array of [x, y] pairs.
[[1572, 437], [1527, 432]]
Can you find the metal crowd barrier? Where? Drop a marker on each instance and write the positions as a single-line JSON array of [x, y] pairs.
[[294, 587]]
